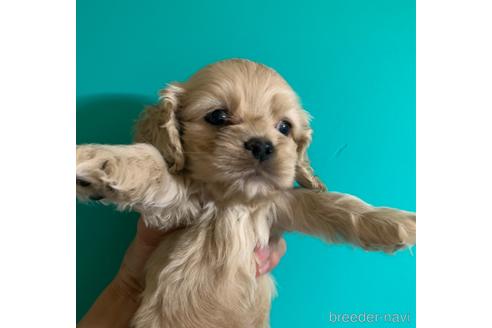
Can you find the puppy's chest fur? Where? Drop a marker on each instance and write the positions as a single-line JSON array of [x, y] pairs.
[[204, 275]]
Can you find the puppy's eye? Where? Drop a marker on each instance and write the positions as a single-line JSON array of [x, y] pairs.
[[217, 117], [284, 127]]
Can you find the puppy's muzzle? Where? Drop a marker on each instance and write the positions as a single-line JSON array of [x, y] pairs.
[[260, 148]]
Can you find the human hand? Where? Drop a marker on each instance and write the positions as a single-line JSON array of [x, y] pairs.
[[120, 299]]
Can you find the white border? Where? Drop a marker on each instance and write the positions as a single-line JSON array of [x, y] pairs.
[[454, 148], [454, 91], [37, 135]]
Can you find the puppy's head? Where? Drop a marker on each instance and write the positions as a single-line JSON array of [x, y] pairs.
[[236, 124]]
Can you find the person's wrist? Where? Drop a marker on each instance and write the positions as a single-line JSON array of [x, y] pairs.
[[115, 306], [126, 286]]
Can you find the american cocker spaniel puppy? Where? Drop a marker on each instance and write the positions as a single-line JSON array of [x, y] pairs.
[[219, 154]]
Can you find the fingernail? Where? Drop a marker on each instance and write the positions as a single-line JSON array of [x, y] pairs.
[[264, 267], [262, 254]]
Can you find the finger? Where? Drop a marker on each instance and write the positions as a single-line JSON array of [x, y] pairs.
[[149, 236], [263, 268], [140, 249], [278, 251], [262, 259], [274, 260], [280, 247], [263, 253], [142, 246], [269, 257]]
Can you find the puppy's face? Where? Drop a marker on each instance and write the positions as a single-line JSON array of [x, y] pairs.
[[241, 128]]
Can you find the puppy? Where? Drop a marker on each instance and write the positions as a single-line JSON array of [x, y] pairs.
[[219, 154]]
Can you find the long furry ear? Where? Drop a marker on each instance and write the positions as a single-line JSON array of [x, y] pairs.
[[304, 172], [159, 126]]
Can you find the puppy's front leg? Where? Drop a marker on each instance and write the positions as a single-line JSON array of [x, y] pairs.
[[127, 175], [345, 218]]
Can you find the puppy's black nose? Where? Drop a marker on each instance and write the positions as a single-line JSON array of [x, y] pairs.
[[261, 148]]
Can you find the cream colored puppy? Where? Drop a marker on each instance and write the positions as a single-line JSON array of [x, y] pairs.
[[219, 154]]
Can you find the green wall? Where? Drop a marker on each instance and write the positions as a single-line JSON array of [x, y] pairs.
[[352, 62]]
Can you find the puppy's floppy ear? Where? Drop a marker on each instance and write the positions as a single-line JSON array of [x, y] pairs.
[[304, 172], [159, 126]]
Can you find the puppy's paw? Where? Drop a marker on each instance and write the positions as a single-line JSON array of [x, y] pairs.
[[95, 180], [407, 227], [388, 230]]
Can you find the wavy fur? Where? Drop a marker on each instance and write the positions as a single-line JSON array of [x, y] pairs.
[[185, 172]]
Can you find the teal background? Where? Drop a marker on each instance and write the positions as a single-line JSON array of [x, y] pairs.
[[352, 62]]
